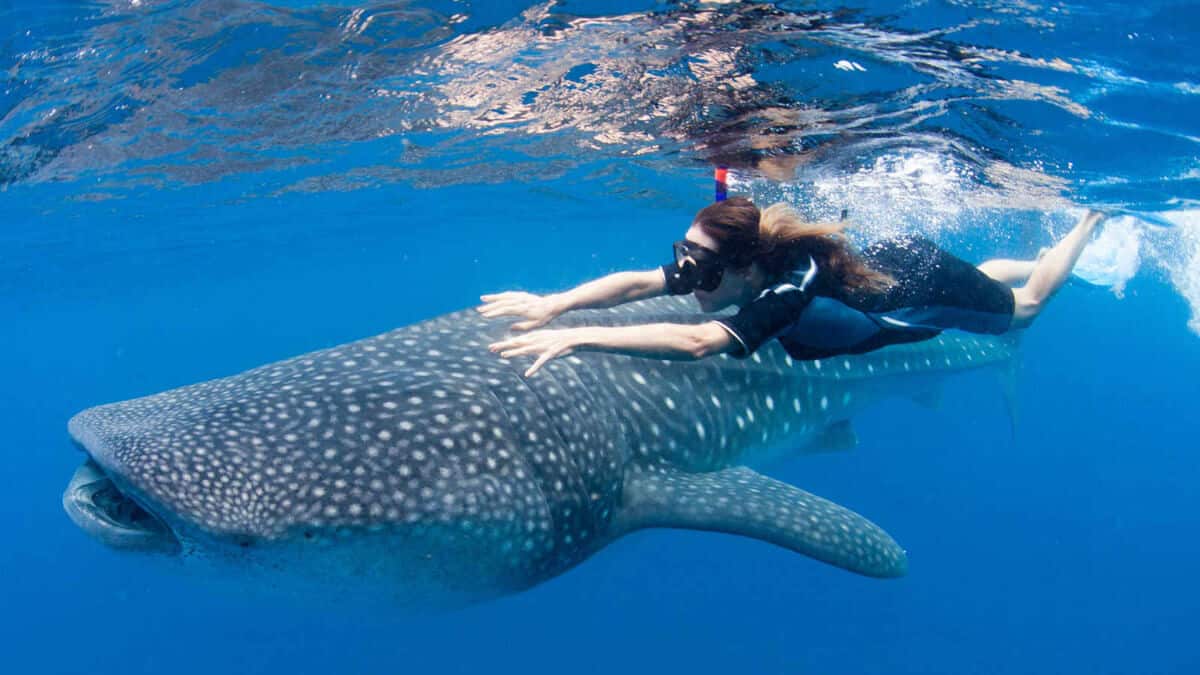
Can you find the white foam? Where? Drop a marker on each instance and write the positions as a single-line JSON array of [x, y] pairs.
[[1177, 251], [1112, 258], [909, 189]]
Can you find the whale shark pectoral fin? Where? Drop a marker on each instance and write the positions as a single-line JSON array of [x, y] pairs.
[[740, 501]]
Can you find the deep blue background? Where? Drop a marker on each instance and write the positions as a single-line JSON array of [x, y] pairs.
[[1070, 548]]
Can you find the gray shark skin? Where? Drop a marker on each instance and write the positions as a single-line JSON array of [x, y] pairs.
[[417, 467]]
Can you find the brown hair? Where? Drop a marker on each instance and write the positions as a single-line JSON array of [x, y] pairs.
[[780, 240]]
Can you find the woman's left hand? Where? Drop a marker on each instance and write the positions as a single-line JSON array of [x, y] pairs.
[[545, 344]]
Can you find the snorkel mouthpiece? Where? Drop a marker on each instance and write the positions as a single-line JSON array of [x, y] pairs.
[[696, 267]]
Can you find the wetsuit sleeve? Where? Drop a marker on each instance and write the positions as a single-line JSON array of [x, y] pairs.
[[765, 318]]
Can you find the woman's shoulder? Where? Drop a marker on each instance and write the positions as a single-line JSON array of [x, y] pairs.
[[807, 276]]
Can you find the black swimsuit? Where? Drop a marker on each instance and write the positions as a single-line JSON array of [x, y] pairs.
[[814, 318]]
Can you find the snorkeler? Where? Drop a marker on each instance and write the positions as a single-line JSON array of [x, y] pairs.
[[799, 282]]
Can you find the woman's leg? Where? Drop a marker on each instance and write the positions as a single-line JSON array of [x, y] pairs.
[[1008, 272], [1051, 270]]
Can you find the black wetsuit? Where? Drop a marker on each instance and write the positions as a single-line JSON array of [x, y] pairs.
[[813, 317]]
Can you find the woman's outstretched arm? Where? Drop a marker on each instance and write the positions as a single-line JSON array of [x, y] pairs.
[[679, 342], [608, 291]]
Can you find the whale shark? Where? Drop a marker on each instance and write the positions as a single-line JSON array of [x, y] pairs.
[[417, 467]]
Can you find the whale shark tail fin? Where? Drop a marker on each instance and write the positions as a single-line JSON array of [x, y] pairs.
[[740, 501]]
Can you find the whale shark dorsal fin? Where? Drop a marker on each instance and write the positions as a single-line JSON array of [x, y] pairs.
[[1008, 389], [930, 399], [837, 437], [743, 502]]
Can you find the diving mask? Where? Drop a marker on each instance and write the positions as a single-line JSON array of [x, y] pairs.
[[697, 267]]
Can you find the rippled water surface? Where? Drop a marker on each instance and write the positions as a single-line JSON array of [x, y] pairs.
[[188, 189], [928, 114]]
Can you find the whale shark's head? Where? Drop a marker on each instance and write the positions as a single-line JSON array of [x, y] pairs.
[[103, 496], [333, 465], [320, 448]]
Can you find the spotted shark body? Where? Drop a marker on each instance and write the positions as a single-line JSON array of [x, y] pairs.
[[418, 466]]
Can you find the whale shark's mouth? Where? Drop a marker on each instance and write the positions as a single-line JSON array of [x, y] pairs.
[[100, 508]]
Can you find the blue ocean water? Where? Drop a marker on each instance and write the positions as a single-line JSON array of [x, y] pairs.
[[191, 189]]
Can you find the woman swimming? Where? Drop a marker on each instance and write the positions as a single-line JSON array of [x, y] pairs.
[[799, 282]]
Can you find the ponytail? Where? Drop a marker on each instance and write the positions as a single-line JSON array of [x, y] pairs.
[[786, 240], [779, 240]]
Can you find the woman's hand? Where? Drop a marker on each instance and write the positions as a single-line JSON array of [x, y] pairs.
[[545, 344], [537, 310]]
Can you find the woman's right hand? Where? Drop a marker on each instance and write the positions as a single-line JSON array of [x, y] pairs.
[[537, 310]]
